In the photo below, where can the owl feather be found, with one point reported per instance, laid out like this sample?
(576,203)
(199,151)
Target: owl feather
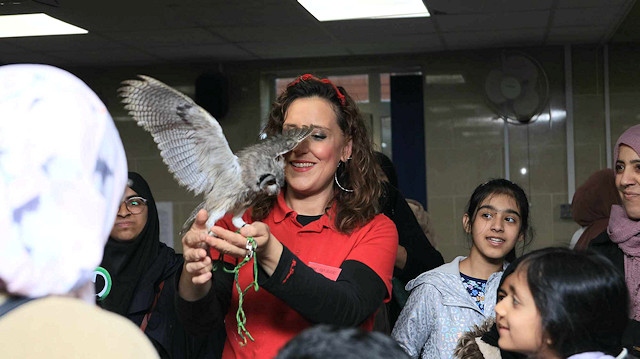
(196,152)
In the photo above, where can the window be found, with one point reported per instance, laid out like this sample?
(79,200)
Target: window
(356,85)
(385,90)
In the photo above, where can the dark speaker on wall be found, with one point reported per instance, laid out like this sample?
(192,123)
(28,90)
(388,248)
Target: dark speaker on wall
(212,93)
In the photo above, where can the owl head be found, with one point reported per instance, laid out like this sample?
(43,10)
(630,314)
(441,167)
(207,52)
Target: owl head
(263,163)
(272,180)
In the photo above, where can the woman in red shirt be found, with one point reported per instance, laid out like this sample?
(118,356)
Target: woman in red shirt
(324,253)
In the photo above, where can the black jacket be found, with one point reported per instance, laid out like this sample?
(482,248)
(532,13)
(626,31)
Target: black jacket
(603,245)
(164,328)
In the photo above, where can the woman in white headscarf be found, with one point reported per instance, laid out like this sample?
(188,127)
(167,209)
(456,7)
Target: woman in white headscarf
(62,174)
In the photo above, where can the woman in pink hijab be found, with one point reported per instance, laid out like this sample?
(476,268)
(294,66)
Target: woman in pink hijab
(621,242)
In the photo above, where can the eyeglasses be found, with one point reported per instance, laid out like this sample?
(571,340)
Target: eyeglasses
(135,205)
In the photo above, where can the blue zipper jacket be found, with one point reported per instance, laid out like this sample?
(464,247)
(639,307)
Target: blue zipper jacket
(439,310)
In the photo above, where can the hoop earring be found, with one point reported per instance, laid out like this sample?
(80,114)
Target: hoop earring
(335,177)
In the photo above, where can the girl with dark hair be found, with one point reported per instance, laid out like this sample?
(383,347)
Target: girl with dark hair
(318,252)
(560,303)
(139,277)
(447,301)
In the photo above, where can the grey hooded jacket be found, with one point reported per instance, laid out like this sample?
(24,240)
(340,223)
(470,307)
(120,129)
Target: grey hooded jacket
(439,310)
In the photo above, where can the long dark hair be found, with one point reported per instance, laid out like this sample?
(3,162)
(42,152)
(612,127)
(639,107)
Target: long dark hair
(582,299)
(355,208)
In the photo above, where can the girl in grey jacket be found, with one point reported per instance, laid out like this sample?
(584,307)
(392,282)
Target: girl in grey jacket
(448,300)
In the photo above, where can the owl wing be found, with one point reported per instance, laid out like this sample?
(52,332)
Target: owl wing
(190,140)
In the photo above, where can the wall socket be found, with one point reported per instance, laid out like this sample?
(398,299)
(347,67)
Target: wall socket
(565,211)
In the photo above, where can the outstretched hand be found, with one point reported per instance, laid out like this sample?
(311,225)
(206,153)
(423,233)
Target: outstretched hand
(197,263)
(195,281)
(235,244)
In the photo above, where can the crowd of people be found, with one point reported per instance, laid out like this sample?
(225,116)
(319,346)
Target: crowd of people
(335,265)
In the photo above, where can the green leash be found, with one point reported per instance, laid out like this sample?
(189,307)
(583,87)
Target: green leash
(241,318)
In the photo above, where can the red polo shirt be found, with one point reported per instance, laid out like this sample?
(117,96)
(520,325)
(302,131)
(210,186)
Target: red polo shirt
(270,321)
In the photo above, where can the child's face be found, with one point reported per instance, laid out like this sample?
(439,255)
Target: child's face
(496,227)
(517,317)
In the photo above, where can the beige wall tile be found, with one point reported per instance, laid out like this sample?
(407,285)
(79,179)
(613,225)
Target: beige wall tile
(464,141)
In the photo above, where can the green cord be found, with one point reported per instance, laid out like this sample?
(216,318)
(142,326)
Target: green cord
(241,318)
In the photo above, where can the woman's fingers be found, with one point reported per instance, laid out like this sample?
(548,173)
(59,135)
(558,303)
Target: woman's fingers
(200,221)
(258,230)
(199,271)
(195,250)
(229,242)
(195,254)
(195,238)
(197,241)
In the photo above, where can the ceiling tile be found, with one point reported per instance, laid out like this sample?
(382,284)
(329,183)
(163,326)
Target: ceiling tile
(151,31)
(285,50)
(515,21)
(599,16)
(492,39)
(167,37)
(295,34)
(204,52)
(563,4)
(574,35)
(485,6)
(67,42)
(370,30)
(423,44)
(113,57)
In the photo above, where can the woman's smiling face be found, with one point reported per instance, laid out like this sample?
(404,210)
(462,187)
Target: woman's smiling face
(310,167)
(627,170)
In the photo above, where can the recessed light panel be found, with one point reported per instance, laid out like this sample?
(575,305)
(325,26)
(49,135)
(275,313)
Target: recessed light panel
(331,10)
(35,25)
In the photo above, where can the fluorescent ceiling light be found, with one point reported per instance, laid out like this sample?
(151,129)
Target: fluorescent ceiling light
(446,79)
(330,10)
(35,25)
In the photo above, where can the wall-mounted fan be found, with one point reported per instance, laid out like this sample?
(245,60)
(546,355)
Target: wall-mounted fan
(517,88)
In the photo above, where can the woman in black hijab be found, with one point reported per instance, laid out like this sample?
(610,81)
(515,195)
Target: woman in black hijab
(139,272)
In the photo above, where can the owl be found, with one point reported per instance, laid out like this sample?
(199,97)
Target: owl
(194,148)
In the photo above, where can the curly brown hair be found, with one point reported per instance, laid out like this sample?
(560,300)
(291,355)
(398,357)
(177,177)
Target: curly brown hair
(356,208)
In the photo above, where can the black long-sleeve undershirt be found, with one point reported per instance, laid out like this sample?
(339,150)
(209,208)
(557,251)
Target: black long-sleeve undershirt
(348,301)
